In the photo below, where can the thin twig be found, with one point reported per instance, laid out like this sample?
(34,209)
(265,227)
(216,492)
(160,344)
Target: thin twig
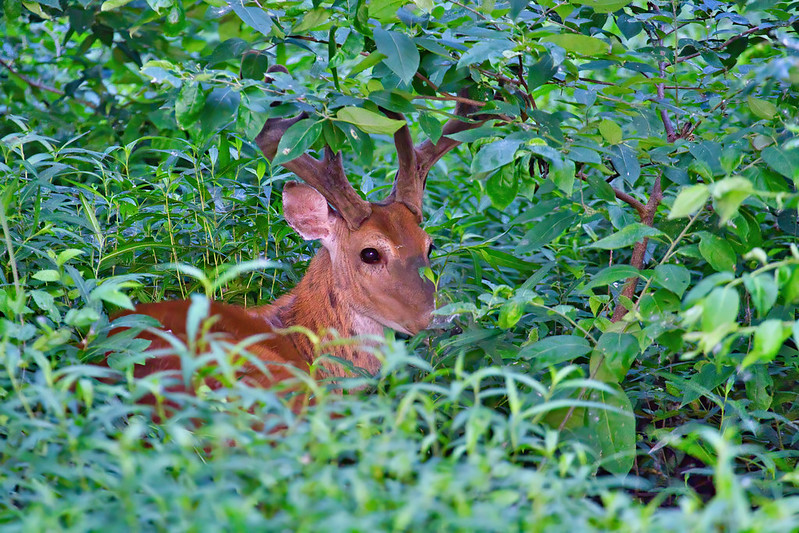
(639,250)
(725,44)
(450,98)
(42,87)
(623,196)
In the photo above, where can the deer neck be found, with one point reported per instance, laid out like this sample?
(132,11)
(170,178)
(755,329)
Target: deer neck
(318,304)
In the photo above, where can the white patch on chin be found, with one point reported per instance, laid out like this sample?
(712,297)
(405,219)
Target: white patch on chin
(364,325)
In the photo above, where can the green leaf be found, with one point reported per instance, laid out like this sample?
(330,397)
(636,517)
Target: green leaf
(674,278)
(402,57)
(297,139)
(784,161)
(768,339)
(510,313)
(502,186)
(68,255)
(313,19)
(563,176)
(791,293)
(757,387)
(47,275)
(385,10)
(602,6)
(253,67)
(762,108)
(540,73)
(431,126)
(255,17)
(612,430)
(717,252)
(545,231)
(763,290)
(494,155)
(110,5)
(369,121)
(611,274)
(109,291)
(578,43)
(729,194)
(555,349)
(703,383)
(484,50)
(689,201)
(720,309)
(610,131)
(625,161)
(615,352)
(628,235)
(189,104)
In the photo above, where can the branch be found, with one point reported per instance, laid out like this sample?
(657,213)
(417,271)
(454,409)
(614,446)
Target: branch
(639,250)
(725,44)
(42,87)
(639,207)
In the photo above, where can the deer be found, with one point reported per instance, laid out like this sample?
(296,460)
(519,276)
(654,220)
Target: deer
(365,276)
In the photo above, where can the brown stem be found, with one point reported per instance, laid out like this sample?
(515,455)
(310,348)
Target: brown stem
(450,98)
(725,44)
(671,136)
(42,87)
(639,207)
(639,250)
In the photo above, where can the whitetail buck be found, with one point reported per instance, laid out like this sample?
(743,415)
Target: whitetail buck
(365,276)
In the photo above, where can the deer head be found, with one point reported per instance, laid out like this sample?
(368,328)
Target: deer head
(376,249)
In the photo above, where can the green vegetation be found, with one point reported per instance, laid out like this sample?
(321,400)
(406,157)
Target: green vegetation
(617,246)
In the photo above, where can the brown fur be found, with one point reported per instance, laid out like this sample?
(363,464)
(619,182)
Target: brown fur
(338,292)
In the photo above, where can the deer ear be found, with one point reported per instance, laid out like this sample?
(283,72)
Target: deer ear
(306,210)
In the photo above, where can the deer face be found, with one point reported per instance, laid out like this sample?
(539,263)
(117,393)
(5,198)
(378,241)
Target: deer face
(376,265)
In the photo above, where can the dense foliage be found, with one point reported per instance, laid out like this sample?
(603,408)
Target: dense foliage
(616,247)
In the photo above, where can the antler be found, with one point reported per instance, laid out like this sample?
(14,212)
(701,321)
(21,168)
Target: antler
(416,161)
(326,175)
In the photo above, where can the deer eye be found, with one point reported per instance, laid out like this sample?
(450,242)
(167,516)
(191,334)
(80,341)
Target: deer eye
(370,256)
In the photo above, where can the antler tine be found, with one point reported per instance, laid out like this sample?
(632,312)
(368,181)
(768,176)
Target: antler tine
(416,162)
(430,153)
(326,176)
(408,188)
